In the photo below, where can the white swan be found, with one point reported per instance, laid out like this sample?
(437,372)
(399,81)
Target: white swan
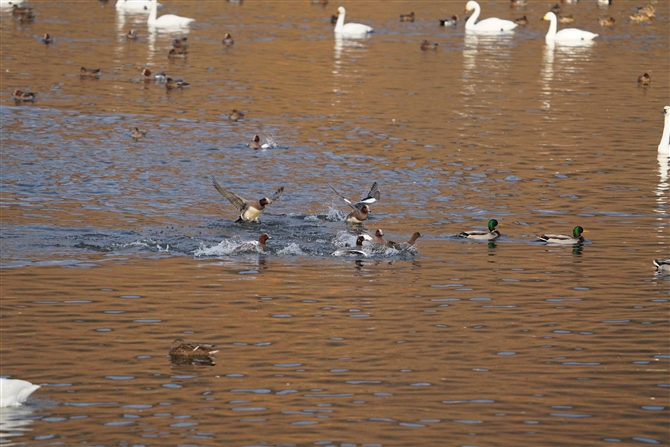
(167,20)
(567,34)
(664,145)
(492,24)
(134,5)
(14,392)
(357,29)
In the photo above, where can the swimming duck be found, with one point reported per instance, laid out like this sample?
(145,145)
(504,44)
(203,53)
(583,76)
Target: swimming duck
(522,21)
(361,210)
(641,17)
(662,265)
(451,21)
(132,35)
(235,115)
(664,145)
(333,18)
(566,19)
(556,8)
(227,40)
(180,348)
(47,39)
(566,34)
(253,245)
(404,245)
(27,17)
(482,235)
(425,46)
(564,239)
(379,237)
(93,73)
(607,22)
(256,143)
(346,251)
(407,17)
(249,211)
(180,42)
(351,29)
(167,20)
(171,84)
(175,53)
(20,10)
(518,2)
(491,24)
(648,10)
(21,96)
(136,134)
(158,78)
(644,79)
(14,391)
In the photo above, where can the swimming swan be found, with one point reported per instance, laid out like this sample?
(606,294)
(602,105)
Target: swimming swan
(167,20)
(491,24)
(664,146)
(350,28)
(14,392)
(567,34)
(134,5)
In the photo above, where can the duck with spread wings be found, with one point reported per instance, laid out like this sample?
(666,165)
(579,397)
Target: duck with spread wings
(249,211)
(361,210)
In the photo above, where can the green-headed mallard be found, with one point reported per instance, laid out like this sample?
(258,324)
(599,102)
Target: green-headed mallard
(483,235)
(564,239)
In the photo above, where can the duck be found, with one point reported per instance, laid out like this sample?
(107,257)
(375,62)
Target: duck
(21,96)
(347,251)
(175,53)
(132,35)
(566,19)
(607,22)
(664,145)
(556,8)
(235,115)
(21,10)
(180,348)
(14,392)
(256,143)
(521,21)
(483,235)
(136,134)
(167,20)
(228,40)
(171,84)
(89,73)
(648,10)
(27,17)
(47,39)
(662,265)
(253,245)
(566,34)
(379,237)
(451,21)
(249,211)
(491,24)
(518,2)
(180,42)
(425,46)
(333,18)
(404,245)
(361,210)
(351,29)
(644,79)
(407,17)
(641,17)
(159,78)
(564,239)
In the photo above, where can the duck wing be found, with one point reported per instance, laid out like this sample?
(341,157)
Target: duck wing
(237,201)
(277,194)
(345,199)
(372,196)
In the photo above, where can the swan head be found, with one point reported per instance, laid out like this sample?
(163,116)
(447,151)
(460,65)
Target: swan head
(549,16)
(666,110)
(341,10)
(469,6)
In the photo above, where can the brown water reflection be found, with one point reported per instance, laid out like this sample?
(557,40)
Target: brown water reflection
(513,343)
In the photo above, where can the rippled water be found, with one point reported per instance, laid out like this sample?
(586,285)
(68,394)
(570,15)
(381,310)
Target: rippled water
(113,248)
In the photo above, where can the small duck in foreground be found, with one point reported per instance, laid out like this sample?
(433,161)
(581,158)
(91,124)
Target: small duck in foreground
(47,39)
(253,245)
(249,211)
(451,21)
(483,235)
(522,21)
(662,265)
(256,143)
(132,35)
(228,40)
(21,96)
(14,391)
(235,115)
(426,46)
(136,134)
(346,251)
(180,42)
(607,22)
(564,239)
(404,245)
(644,79)
(180,348)
(92,73)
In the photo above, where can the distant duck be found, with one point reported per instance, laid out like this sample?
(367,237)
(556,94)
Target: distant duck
(556,8)
(227,40)
(567,34)
(426,46)
(566,19)
(483,235)
(28,17)
(644,79)
(333,19)
(641,17)
(180,42)
(518,2)
(171,84)
(167,20)
(407,17)
(648,10)
(662,265)
(158,78)
(491,24)
(522,21)
(350,29)
(235,115)
(14,392)
(607,22)
(132,35)
(347,251)
(451,21)
(47,39)
(254,246)
(175,53)
(21,10)
(92,73)
(664,145)
(21,96)
(180,348)
(564,239)
(404,245)
(136,134)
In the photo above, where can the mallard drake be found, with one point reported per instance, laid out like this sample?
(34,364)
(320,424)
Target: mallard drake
(521,21)
(21,96)
(171,84)
(47,39)
(407,17)
(451,21)
(427,46)
(662,265)
(482,235)
(361,210)
(180,348)
(228,40)
(346,251)
(607,22)
(14,391)
(564,239)
(644,79)
(404,245)
(92,73)
(136,134)
(132,35)
(235,115)
(249,211)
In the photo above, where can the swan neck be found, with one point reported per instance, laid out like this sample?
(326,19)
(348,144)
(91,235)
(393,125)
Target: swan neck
(665,139)
(340,22)
(553,22)
(152,11)
(470,22)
